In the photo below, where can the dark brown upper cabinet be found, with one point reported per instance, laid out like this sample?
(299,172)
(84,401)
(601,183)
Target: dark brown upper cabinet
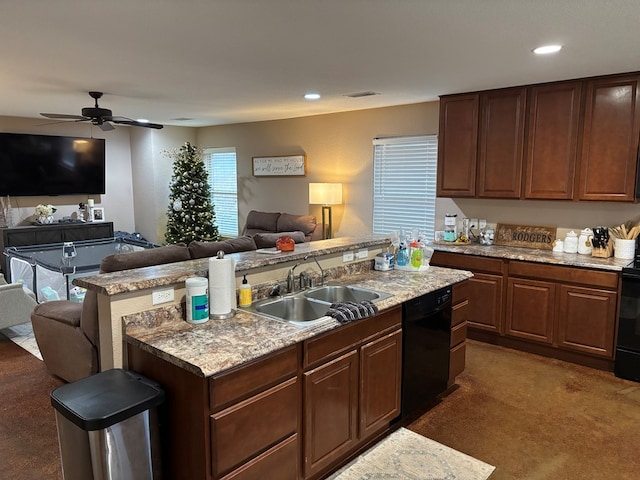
(573,140)
(501,134)
(458,146)
(610,139)
(552,140)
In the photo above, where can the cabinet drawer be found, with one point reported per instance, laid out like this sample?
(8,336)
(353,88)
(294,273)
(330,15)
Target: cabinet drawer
(588,277)
(253,377)
(337,341)
(458,334)
(459,313)
(457,360)
(468,262)
(251,427)
(460,292)
(279,462)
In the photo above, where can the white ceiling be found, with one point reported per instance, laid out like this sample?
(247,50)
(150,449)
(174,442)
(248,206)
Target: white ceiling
(229,61)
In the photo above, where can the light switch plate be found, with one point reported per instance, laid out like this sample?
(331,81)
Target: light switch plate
(347,256)
(482,223)
(363,253)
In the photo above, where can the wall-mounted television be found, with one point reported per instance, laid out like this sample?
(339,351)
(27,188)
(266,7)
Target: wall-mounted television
(51,165)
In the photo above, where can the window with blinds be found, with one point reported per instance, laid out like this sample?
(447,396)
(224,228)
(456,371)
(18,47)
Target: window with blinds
(223,182)
(404,184)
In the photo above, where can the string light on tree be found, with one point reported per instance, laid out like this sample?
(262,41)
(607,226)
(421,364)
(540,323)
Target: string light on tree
(191,215)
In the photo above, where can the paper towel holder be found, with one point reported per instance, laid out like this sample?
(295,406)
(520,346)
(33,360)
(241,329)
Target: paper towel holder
(226,315)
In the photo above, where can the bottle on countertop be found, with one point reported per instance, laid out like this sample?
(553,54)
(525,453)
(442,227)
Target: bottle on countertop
(244,292)
(403,255)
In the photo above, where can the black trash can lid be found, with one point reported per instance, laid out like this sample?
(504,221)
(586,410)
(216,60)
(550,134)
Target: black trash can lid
(104,399)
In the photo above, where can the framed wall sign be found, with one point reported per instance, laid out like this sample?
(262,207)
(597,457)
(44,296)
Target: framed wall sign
(287,166)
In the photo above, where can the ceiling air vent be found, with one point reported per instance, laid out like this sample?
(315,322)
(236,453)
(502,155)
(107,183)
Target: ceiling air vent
(361,94)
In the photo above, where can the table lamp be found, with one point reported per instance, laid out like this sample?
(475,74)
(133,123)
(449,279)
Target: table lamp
(325,194)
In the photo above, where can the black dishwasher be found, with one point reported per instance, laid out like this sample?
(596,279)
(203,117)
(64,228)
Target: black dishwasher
(426,326)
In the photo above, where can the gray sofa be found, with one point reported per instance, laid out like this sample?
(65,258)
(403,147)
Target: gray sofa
(266,227)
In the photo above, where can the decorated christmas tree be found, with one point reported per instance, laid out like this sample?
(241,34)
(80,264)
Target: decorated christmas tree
(191,214)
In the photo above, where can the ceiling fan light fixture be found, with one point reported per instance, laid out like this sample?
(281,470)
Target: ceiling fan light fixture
(547,49)
(312,96)
(142,120)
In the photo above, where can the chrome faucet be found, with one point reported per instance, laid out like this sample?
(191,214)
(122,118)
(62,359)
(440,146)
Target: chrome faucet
(291,279)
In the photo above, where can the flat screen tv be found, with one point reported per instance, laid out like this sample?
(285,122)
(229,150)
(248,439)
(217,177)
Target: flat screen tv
(50,165)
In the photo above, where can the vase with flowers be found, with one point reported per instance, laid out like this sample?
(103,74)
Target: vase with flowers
(44,214)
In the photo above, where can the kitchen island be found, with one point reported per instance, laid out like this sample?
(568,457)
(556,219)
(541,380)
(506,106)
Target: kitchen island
(253,397)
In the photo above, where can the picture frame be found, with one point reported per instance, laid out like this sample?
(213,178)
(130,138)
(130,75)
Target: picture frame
(97,214)
(283,166)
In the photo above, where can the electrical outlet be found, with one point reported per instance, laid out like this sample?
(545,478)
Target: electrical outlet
(347,256)
(473,223)
(162,295)
(362,253)
(482,223)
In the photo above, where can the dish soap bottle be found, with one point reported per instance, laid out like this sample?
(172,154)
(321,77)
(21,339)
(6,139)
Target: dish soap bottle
(245,293)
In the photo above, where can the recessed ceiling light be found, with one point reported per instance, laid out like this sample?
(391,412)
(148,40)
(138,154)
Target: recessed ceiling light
(312,96)
(546,49)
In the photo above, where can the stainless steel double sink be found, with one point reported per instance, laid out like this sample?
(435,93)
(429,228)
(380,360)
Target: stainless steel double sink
(312,304)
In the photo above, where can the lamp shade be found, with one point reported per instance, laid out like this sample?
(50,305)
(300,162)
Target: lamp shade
(325,193)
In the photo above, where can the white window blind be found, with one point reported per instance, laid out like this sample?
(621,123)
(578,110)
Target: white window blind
(223,181)
(404,184)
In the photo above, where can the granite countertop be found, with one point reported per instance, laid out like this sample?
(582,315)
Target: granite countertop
(212,347)
(535,255)
(150,277)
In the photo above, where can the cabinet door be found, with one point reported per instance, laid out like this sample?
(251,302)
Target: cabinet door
(552,140)
(380,379)
(501,143)
(458,146)
(485,302)
(610,139)
(586,320)
(330,412)
(530,309)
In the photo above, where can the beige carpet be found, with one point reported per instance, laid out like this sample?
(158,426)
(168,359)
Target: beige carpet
(408,456)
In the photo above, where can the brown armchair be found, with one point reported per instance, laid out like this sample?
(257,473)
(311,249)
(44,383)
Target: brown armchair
(67,332)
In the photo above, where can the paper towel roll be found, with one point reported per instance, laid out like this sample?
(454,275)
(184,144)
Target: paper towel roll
(222,287)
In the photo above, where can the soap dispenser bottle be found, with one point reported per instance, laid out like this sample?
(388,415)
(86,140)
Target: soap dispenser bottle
(245,293)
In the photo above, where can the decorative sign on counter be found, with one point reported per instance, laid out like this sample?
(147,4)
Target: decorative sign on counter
(525,236)
(290,166)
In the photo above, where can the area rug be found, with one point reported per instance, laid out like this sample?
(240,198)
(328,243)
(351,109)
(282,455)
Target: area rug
(407,455)
(22,335)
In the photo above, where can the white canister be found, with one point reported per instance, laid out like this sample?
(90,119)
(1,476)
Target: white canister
(584,242)
(197,299)
(624,248)
(571,242)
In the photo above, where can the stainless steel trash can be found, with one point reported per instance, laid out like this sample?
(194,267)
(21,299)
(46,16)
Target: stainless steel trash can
(106,429)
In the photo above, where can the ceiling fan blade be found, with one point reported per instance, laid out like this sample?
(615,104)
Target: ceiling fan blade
(62,115)
(135,123)
(106,126)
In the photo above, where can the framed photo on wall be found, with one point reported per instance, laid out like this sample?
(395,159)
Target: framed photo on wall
(285,166)
(97,214)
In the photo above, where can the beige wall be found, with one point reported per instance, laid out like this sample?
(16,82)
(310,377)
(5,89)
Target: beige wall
(152,171)
(338,148)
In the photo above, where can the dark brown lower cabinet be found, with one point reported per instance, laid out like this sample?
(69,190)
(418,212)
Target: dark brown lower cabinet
(558,311)
(352,388)
(296,413)
(459,323)
(530,309)
(587,320)
(331,412)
